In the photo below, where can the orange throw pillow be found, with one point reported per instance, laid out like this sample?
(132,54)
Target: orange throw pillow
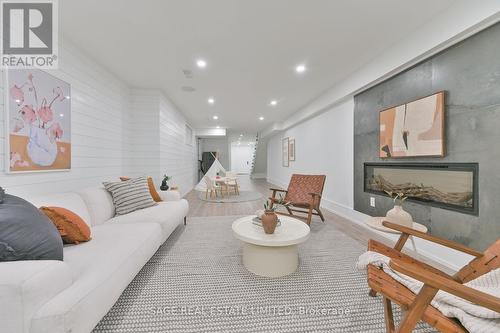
(72,228)
(154,194)
(152,189)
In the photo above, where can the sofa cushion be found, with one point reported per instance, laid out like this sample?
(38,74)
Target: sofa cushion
(101,269)
(71,227)
(99,203)
(26,233)
(170,195)
(70,200)
(25,286)
(168,214)
(130,195)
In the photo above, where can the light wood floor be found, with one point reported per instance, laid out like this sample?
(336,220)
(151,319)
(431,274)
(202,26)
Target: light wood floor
(198,207)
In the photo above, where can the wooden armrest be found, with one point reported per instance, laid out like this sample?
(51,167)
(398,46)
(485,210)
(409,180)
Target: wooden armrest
(448,285)
(278,190)
(434,239)
(315,194)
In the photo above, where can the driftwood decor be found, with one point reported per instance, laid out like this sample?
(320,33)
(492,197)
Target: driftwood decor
(450,186)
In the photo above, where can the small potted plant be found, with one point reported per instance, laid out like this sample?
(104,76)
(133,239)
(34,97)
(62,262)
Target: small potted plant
(164,185)
(269,218)
(397,214)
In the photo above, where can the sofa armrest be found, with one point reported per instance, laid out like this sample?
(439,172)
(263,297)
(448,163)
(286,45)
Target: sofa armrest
(25,286)
(172,195)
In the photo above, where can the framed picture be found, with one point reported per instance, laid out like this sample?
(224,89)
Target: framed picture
(38,121)
(285,152)
(291,149)
(413,129)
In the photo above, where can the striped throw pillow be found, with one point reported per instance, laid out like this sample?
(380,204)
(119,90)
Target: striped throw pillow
(130,195)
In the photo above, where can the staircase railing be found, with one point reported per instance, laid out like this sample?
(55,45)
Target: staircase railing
(255,146)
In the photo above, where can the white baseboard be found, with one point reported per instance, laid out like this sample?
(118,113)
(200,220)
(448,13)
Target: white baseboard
(451,259)
(258,176)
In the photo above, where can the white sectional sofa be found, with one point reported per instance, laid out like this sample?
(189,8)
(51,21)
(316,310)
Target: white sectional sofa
(74,294)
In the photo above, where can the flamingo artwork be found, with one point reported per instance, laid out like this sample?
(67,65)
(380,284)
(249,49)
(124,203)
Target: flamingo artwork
(39,140)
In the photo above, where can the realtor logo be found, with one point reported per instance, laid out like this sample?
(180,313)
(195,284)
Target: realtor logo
(29,34)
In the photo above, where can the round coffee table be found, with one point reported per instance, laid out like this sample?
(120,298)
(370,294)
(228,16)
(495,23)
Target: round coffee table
(271,255)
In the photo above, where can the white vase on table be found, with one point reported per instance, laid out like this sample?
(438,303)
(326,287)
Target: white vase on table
(398,215)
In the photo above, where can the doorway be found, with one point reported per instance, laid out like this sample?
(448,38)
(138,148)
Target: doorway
(241,158)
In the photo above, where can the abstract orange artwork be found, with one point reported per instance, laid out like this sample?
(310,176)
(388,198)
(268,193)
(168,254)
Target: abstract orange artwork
(413,129)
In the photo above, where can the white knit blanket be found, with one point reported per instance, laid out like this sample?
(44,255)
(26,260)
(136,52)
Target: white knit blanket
(476,319)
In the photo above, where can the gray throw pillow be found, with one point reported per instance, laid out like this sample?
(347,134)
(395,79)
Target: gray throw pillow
(26,233)
(130,195)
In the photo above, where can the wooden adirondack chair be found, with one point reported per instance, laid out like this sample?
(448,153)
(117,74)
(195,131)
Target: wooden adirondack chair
(304,191)
(417,307)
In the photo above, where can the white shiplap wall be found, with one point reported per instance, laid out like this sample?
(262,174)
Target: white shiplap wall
(177,158)
(144,133)
(100,114)
(116,131)
(158,140)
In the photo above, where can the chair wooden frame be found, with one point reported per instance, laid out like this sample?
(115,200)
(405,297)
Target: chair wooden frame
(232,183)
(212,188)
(418,307)
(311,208)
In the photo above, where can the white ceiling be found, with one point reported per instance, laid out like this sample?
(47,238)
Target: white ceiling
(251,47)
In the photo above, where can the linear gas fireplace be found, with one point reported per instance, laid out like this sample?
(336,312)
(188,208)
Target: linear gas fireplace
(451,186)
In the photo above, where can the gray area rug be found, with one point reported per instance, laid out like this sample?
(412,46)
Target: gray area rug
(242,197)
(196,283)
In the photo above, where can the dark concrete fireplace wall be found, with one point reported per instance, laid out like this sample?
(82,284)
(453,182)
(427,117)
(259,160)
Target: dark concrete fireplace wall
(469,72)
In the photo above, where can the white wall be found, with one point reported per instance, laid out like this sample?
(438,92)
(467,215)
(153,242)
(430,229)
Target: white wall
(323,145)
(178,159)
(241,157)
(144,133)
(100,107)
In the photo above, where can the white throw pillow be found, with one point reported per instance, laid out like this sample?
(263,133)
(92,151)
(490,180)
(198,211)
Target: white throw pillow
(130,195)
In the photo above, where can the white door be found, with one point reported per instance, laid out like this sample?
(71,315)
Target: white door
(241,158)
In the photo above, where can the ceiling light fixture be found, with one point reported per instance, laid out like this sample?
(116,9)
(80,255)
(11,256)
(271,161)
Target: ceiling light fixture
(261,118)
(217,127)
(241,135)
(300,68)
(211,100)
(273,102)
(201,63)
(215,117)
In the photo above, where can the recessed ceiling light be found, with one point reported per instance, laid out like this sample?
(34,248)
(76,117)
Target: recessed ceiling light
(300,68)
(201,63)
(211,100)
(241,135)
(261,118)
(273,102)
(215,117)
(217,127)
